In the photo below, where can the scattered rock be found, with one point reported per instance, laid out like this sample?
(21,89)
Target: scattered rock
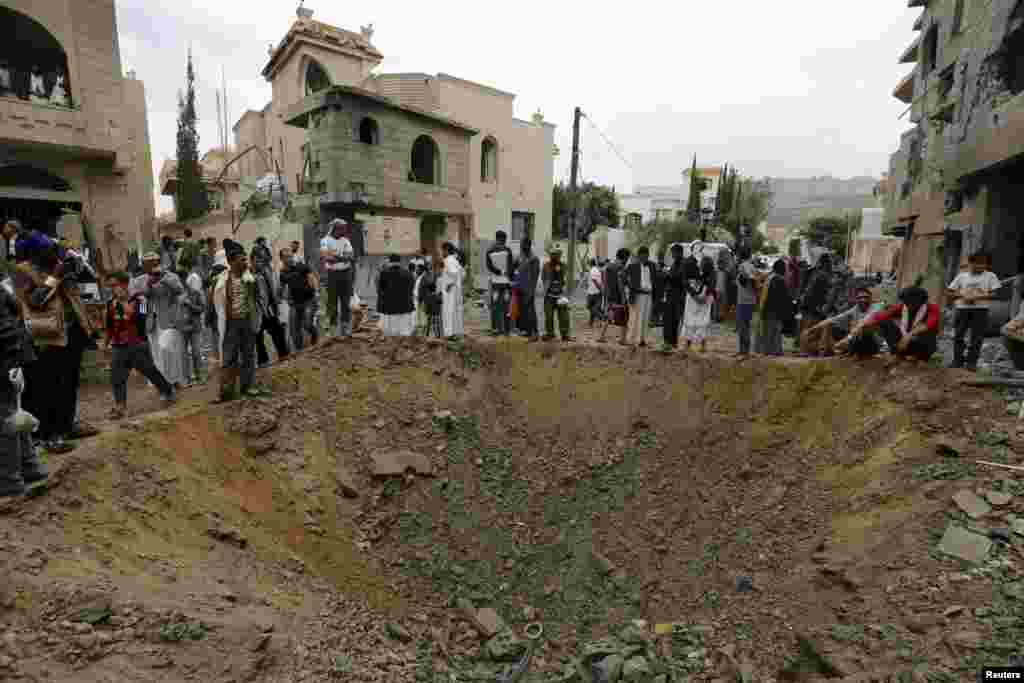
(921,625)
(261,446)
(397,463)
(260,643)
(744,584)
(253,425)
(964,544)
(227,535)
(955,610)
(488,622)
(972,504)
(603,563)
(998,498)
(950,448)
(965,641)
(398,633)
(609,668)
(636,670)
(1000,534)
(505,647)
(1017,526)
(346,482)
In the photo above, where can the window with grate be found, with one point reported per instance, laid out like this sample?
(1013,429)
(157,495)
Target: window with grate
(522,226)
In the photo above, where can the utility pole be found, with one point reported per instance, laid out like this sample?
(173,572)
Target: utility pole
(572,197)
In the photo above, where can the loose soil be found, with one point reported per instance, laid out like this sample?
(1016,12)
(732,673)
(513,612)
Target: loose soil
(579,486)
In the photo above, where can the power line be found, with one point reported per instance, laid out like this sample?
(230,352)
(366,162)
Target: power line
(609,142)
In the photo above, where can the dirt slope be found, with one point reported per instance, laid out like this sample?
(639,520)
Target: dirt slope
(582,488)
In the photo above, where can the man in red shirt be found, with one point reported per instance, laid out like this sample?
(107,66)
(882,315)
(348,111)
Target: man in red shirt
(910,328)
(127,335)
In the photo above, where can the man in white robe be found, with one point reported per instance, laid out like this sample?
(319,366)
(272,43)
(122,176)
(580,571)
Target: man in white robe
(452,319)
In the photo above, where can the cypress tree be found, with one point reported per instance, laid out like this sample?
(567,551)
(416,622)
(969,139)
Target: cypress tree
(191,201)
(693,203)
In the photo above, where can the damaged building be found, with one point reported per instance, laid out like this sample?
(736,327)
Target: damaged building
(413,159)
(957,175)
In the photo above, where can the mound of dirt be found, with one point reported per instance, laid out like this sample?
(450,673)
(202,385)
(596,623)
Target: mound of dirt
(401,511)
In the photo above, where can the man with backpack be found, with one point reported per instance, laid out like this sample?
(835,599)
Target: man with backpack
(302,285)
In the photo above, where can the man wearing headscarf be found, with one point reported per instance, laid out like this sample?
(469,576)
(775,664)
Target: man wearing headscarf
(338,256)
(910,328)
(162,290)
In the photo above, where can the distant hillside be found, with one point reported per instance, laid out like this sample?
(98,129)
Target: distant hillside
(794,198)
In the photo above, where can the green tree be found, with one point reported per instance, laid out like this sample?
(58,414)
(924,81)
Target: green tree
(770,249)
(191,199)
(794,248)
(697,185)
(661,234)
(831,229)
(598,206)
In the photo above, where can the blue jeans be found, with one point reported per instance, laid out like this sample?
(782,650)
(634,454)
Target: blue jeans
(744,317)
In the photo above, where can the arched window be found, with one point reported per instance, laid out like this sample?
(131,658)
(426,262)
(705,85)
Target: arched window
(369,131)
(34,65)
(23,175)
(489,160)
(316,78)
(426,161)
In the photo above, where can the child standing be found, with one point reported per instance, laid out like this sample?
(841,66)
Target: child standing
(972,291)
(126,334)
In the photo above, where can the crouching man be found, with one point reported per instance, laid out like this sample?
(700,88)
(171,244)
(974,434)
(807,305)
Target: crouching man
(910,328)
(863,344)
(19,461)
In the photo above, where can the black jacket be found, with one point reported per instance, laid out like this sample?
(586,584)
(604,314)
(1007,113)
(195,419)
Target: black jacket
(614,286)
(633,279)
(529,270)
(394,293)
(778,302)
(294,277)
(15,342)
(815,299)
(674,281)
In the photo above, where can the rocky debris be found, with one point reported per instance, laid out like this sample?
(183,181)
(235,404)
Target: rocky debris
(398,632)
(1017,525)
(972,504)
(346,482)
(998,498)
(949,447)
(261,446)
(603,563)
(227,534)
(487,621)
(397,463)
(505,647)
(253,424)
(966,545)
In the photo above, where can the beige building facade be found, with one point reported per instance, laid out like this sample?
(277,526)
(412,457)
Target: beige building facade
(74,138)
(358,155)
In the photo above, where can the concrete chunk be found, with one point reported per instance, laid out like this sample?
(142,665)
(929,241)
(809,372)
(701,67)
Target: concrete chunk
(396,463)
(966,545)
(972,504)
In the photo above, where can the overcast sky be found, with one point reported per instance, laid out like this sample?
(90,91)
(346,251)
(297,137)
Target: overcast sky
(792,88)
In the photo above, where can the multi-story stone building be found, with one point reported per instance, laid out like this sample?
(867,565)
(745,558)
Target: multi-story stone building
(414,158)
(73,130)
(955,180)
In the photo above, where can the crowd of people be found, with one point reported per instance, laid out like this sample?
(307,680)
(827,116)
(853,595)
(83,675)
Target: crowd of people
(189,297)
